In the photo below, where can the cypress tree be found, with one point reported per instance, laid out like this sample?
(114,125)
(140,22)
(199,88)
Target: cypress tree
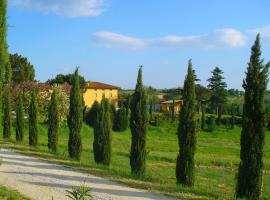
(138,124)
(102,134)
(33,117)
(6,103)
(187,132)
(75,119)
(249,180)
(203,116)
(173,110)
(19,119)
(4,57)
(53,118)
(91,114)
(121,119)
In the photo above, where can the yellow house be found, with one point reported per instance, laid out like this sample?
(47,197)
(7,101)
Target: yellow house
(95,91)
(168,105)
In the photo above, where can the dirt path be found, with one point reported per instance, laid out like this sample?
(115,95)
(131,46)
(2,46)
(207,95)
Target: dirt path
(41,180)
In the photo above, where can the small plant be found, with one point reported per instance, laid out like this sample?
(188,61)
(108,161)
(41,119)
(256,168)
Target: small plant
(80,193)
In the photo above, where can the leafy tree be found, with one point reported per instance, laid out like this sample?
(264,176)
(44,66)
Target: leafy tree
(19,119)
(102,134)
(121,119)
(75,118)
(249,180)
(138,124)
(7,102)
(218,89)
(187,132)
(68,78)
(53,121)
(33,118)
(22,69)
(3,49)
(91,114)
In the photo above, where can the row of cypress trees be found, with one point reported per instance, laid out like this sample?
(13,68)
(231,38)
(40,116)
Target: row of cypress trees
(250,171)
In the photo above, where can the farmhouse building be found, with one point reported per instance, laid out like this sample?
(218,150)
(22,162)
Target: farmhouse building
(168,105)
(95,91)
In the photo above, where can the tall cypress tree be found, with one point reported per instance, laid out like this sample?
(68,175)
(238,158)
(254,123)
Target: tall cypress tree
(102,134)
(19,119)
(138,124)
(4,58)
(203,116)
(33,117)
(249,181)
(53,118)
(7,102)
(75,119)
(187,132)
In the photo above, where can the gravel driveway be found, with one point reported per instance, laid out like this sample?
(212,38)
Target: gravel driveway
(41,180)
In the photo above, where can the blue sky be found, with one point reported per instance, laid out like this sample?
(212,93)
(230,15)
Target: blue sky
(109,39)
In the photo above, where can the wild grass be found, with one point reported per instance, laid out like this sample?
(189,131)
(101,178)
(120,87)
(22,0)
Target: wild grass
(217,158)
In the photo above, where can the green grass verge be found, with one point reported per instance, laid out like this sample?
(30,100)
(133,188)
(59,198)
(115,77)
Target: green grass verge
(217,157)
(7,194)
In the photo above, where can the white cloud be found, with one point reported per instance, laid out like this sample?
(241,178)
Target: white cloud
(228,37)
(69,8)
(110,39)
(222,38)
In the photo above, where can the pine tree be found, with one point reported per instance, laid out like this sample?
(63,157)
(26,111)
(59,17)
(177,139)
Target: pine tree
(138,124)
(249,180)
(53,119)
(102,134)
(33,117)
(4,57)
(187,132)
(19,119)
(75,119)
(218,89)
(121,119)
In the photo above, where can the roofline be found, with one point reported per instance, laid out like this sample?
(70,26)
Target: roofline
(106,85)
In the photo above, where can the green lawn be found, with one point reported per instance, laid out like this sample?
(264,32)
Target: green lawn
(217,157)
(7,194)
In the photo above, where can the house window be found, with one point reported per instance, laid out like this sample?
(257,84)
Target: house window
(111,94)
(96,95)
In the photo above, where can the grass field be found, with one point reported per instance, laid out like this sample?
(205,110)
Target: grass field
(217,157)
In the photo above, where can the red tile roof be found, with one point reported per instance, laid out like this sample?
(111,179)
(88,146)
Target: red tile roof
(98,85)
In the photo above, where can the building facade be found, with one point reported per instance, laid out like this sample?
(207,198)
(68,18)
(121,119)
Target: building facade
(168,105)
(95,91)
